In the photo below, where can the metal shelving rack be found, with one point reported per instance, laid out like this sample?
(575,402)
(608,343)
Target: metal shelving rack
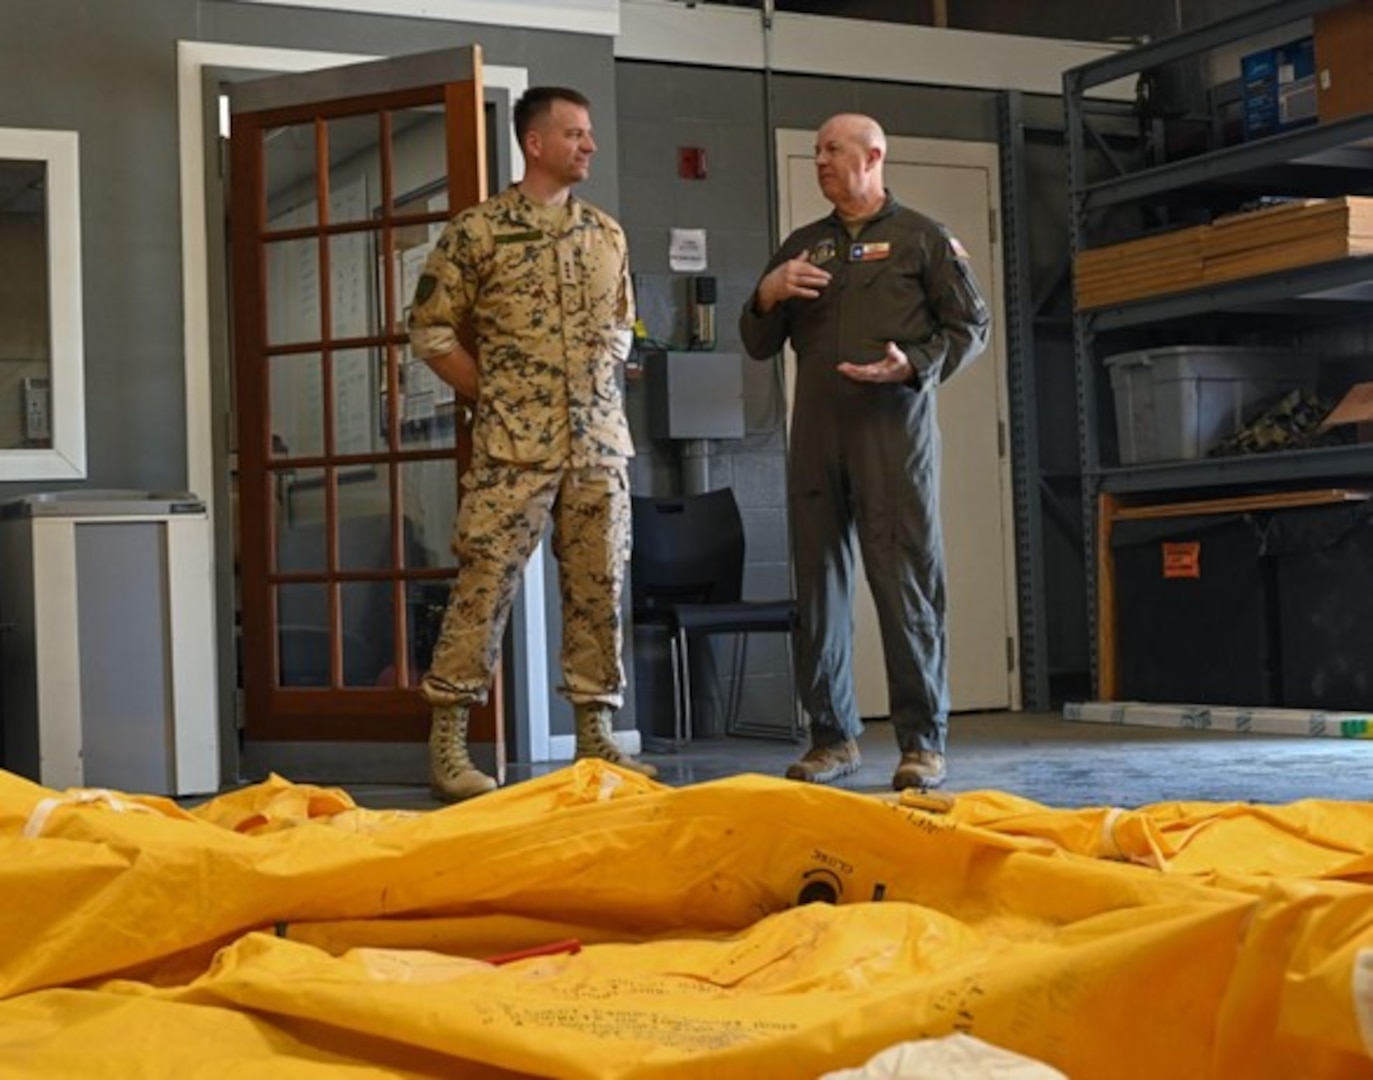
(1025,407)
(1333,158)
(1046,488)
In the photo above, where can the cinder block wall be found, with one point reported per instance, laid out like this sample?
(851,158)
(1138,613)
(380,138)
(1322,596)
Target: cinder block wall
(661,108)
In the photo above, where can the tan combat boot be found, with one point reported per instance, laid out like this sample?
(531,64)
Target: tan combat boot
(594,739)
(452,776)
(825,764)
(920,769)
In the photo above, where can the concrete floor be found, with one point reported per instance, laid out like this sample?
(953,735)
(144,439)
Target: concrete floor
(1040,756)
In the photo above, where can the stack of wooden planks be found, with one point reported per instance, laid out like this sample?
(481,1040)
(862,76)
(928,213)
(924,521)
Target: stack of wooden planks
(1168,262)
(1237,246)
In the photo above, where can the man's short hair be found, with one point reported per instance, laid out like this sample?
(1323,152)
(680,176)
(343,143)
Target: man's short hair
(538,101)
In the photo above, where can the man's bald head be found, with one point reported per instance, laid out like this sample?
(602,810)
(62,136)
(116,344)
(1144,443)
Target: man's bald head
(857,128)
(849,151)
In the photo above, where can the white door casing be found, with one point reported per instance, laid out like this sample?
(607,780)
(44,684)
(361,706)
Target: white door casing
(957,184)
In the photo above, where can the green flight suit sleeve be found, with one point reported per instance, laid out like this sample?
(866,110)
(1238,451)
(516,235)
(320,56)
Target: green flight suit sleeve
(961,316)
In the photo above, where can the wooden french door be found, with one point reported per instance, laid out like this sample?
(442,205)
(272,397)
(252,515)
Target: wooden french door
(348,450)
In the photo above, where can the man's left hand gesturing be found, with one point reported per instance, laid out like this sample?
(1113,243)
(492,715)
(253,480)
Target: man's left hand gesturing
(892,367)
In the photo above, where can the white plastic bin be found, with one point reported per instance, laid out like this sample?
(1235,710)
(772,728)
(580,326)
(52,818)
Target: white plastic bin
(1178,403)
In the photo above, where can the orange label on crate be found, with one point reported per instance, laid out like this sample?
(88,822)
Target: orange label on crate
(1182,559)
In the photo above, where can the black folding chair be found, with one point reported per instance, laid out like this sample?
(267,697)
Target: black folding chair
(687,575)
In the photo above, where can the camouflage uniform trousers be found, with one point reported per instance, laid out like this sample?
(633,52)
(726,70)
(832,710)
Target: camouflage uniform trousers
(502,517)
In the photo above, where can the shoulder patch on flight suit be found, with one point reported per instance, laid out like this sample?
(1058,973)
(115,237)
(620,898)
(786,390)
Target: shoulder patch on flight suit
(424,288)
(519,237)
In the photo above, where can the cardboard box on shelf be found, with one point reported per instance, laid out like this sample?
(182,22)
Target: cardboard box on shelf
(1279,88)
(1356,408)
(1344,60)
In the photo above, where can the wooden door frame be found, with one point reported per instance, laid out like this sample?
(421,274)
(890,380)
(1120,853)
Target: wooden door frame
(207,465)
(276,709)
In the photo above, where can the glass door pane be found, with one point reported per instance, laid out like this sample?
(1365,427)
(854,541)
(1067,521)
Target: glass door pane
(25,345)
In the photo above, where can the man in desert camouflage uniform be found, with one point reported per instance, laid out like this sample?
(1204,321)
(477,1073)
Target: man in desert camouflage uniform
(544,278)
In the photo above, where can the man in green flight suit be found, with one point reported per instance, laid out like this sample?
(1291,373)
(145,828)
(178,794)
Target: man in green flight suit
(881,306)
(544,278)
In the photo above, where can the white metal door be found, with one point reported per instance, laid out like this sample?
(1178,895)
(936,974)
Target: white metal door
(955,183)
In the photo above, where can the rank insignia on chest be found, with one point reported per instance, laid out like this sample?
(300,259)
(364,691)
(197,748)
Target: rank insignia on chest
(869,252)
(822,253)
(567,264)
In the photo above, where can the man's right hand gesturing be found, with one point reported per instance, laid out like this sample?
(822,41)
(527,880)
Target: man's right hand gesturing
(795,277)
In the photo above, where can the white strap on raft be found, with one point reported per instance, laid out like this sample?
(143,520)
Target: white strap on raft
(38,818)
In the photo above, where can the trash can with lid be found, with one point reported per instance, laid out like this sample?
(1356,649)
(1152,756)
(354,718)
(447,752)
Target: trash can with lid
(108,654)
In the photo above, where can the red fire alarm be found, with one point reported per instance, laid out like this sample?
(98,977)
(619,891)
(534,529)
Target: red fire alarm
(691,162)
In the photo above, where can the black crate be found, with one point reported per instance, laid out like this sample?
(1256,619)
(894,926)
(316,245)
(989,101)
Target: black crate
(1324,568)
(1195,611)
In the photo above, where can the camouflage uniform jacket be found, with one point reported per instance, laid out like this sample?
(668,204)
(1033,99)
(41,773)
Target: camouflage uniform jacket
(548,292)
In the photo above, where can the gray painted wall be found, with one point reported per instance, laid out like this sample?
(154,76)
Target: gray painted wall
(115,84)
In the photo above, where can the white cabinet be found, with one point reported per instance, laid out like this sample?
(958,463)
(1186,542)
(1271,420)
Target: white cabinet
(108,642)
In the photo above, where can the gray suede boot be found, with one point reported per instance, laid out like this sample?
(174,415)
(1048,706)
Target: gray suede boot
(594,739)
(452,776)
